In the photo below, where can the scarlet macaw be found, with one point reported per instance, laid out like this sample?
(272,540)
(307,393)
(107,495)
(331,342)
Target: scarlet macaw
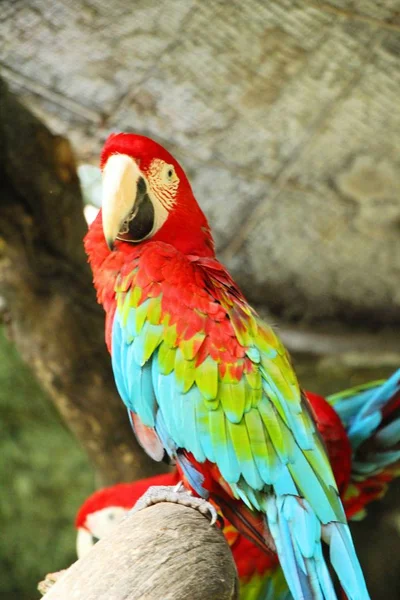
(361,478)
(205,380)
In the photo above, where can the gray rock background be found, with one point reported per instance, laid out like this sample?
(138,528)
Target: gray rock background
(285,113)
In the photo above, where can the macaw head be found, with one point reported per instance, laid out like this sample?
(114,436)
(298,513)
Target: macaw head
(147,196)
(101,512)
(105,508)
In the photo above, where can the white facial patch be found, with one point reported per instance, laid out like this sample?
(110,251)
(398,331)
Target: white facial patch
(103,521)
(98,525)
(164,182)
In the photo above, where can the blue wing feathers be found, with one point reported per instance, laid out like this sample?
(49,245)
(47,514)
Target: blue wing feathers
(240,439)
(192,417)
(195,478)
(203,429)
(145,398)
(284,483)
(362,411)
(191,434)
(118,363)
(389,435)
(222,445)
(164,436)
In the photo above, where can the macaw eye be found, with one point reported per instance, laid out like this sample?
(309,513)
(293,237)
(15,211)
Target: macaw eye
(170,172)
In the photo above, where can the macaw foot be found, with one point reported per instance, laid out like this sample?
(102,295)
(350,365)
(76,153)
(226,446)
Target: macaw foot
(178,495)
(47,583)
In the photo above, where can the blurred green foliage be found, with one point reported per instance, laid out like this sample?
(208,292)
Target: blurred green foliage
(45,477)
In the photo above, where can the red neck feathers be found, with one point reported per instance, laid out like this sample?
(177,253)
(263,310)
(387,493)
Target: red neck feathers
(186,228)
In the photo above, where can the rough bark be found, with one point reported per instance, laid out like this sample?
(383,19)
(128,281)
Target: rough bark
(166,551)
(47,295)
(285,114)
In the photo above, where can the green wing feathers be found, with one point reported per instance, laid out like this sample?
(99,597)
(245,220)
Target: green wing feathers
(225,387)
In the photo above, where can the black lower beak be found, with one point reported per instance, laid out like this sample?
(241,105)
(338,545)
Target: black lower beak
(140,222)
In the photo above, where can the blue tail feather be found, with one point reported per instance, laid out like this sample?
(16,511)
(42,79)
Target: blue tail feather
(389,436)
(361,412)
(371,416)
(297,535)
(344,560)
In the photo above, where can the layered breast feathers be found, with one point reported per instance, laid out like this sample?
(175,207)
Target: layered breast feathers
(195,363)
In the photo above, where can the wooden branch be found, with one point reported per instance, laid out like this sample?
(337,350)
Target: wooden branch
(166,551)
(47,293)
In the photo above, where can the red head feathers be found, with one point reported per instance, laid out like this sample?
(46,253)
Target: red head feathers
(147,197)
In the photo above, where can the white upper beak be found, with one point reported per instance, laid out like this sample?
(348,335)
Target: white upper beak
(120,180)
(84,542)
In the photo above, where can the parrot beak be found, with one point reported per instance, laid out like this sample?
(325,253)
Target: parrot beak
(121,177)
(84,542)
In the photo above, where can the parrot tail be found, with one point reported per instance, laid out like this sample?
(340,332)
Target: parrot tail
(297,535)
(366,408)
(371,414)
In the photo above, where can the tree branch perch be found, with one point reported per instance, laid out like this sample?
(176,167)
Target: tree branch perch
(164,552)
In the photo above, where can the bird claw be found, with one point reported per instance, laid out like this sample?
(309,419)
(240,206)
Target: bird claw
(50,579)
(177,494)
